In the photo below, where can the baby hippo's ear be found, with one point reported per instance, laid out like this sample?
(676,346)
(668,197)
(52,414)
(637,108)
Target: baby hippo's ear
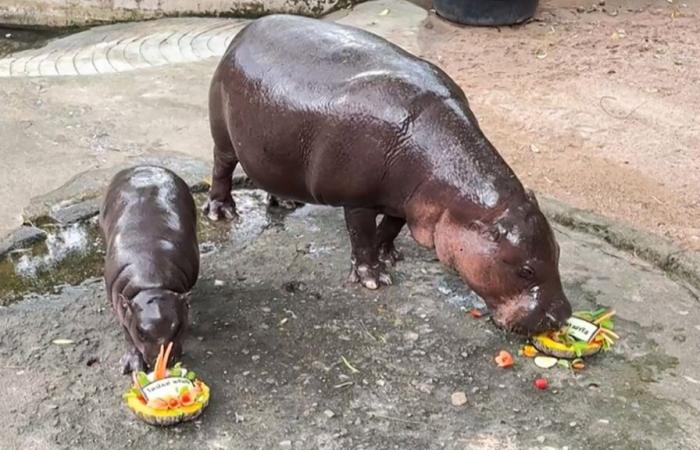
(488,231)
(531,196)
(186,297)
(124,303)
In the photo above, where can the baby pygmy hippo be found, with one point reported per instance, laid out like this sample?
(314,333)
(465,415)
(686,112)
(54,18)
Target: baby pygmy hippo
(149,224)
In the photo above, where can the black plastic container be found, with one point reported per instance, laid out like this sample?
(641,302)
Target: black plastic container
(486,12)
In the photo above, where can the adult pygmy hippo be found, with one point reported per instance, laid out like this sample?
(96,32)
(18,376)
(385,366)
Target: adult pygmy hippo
(323,113)
(149,222)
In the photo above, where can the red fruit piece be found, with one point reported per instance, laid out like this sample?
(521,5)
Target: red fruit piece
(475,313)
(541,384)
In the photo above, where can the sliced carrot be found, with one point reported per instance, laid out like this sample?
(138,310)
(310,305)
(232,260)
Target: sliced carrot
(158,403)
(504,359)
(186,399)
(475,313)
(173,403)
(165,358)
(159,362)
(607,315)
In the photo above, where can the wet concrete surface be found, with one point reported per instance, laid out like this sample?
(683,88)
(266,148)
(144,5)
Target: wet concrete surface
(269,337)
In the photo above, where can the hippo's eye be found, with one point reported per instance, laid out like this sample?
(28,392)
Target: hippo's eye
(526,272)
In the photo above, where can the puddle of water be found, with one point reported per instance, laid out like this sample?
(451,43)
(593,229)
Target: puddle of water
(69,255)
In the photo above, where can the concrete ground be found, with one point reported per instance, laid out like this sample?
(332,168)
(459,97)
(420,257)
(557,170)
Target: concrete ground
(273,317)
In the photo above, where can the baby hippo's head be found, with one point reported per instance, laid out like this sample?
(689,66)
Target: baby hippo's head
(155,317)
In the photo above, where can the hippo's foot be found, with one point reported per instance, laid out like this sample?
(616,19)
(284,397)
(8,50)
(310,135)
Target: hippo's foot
(282,203)
(216,209)
(389,255)
(132,361)
(368,276)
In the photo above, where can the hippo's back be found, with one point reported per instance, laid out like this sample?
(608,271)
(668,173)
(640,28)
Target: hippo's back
(314,63)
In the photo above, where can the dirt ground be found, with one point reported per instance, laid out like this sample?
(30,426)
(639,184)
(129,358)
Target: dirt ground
(595,105)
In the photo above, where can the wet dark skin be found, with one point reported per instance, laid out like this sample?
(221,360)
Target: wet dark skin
(322,113)
(149,222)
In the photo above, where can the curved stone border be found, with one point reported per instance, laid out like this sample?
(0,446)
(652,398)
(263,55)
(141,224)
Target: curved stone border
(657,250)
(124,47)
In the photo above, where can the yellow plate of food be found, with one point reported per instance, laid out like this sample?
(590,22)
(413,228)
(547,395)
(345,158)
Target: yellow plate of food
(167,396)
(584,334)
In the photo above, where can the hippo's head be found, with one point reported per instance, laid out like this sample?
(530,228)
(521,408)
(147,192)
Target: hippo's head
(153,318)
(512,262)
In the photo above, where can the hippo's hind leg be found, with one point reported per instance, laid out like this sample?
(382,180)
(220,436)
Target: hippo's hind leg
(366,267)
(221,204)
(388,229)
(276,202)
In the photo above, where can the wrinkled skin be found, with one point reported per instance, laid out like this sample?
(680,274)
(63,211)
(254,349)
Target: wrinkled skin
(148,219)
(322,113)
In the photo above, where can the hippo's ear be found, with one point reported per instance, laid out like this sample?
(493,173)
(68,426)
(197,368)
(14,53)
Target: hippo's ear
(124,302)
(186,297)
(488,231)
(531,196)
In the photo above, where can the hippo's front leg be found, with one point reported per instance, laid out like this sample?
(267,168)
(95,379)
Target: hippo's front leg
(366,267)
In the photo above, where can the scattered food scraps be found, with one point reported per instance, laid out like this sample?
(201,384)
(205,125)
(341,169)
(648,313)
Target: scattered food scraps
(475,313)
(584,334)
(504,359)
(63,341)
(545,362)
(578,364)
(541,384)
(528,351)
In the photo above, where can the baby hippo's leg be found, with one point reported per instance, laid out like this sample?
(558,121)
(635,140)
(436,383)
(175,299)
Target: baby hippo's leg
(220,204)
(366,267)
(388,229)
(132,361)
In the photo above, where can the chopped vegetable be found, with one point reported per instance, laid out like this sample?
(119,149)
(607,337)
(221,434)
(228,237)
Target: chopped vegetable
(528,351)
(475,313)
(504,359)
(578,364)
(545,362)
(541,384)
